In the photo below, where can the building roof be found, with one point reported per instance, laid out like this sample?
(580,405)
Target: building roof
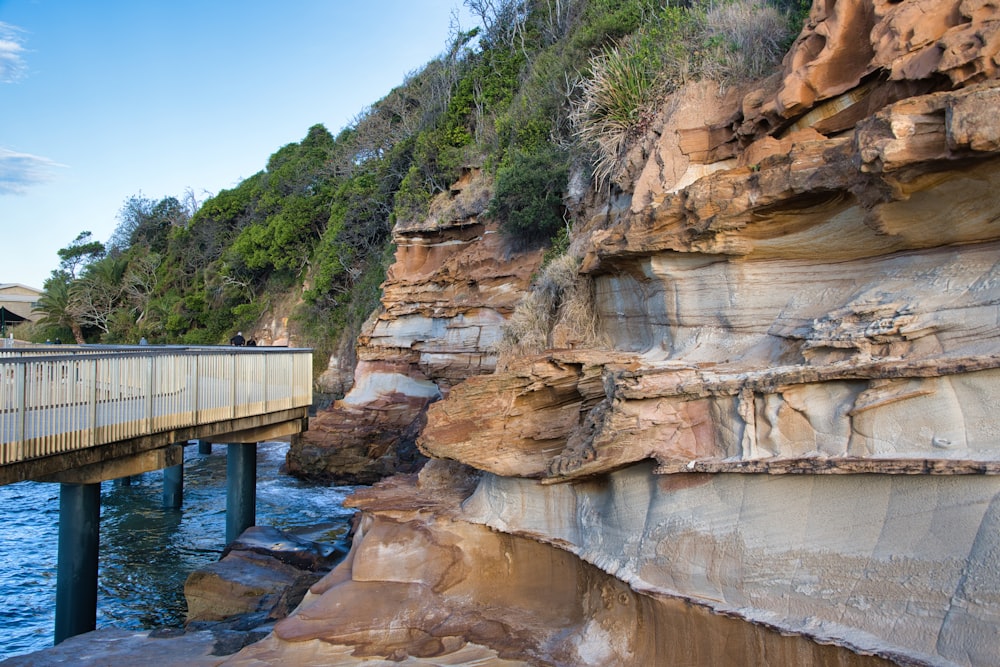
(19,300)
(7,289)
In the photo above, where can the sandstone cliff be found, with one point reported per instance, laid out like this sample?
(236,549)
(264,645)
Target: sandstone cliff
(445,300)
(787,451)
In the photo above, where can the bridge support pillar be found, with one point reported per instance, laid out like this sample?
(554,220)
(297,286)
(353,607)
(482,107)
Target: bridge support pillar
(204,447)
(173,486)
(76,573)
(241,488)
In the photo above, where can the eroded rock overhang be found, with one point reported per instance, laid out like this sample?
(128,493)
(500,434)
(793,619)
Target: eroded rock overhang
(826,328)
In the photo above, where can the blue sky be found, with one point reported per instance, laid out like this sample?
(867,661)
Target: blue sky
(103,100)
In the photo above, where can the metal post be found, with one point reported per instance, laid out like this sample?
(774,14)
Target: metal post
(76,574)
(204,447)
(241,488)
(173,486)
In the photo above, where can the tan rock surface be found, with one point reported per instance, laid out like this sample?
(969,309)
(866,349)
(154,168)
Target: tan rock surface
(436,589)
(905,565)
(240,583)
(446,297)
(264,570)
(933,44)
(114,646)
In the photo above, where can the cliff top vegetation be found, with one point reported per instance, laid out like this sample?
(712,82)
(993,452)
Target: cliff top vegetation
(542,92)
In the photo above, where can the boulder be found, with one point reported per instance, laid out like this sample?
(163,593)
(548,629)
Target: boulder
(264,573)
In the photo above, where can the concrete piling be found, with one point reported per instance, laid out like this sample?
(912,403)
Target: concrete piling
(241,488)
(76,579)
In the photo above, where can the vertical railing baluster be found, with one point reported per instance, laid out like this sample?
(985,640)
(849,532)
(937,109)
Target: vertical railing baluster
(92,401)
(232,400)
(45,400)
(21,396)
(149,394)
(197,385)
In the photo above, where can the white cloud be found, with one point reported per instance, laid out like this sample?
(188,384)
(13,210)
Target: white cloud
(12,65)
(20,171)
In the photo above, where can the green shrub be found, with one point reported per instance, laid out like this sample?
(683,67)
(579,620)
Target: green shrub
(528,196)
(246,314)
(607,21)
(798,13)
(559,246)
(325,320)
(413,199)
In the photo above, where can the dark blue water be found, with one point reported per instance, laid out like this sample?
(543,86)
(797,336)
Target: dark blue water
(146,551)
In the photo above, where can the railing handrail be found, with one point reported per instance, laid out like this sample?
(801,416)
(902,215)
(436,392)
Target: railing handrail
(64,350)
(53,402)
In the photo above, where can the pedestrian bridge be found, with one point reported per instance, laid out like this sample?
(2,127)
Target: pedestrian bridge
(89,410)
(81,415)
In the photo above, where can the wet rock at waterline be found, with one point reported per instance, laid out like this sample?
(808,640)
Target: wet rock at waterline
(264,570)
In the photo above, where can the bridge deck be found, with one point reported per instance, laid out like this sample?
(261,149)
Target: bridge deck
(73,406)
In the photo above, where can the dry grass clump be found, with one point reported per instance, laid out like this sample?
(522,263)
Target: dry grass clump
(747,39)
(727,41)
(466,198)
(557,312)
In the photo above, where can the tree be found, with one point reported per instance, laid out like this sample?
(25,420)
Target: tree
(293,208)
(98,293)
(58,305)
(139,282)
(78,254)
(144,221)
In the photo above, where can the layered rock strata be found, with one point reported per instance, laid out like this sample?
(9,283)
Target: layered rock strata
(445,300)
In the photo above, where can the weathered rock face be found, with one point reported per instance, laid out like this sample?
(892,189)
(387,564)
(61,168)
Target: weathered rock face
(445,300)
(434,588)
(899,566)
(794,423)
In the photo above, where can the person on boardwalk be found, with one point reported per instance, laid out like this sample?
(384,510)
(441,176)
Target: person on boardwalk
(237,340)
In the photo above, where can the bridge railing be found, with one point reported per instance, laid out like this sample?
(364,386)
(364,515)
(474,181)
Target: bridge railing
(56,400)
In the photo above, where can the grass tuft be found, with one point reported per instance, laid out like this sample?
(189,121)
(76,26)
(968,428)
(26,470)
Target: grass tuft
(727,41)
(558,311)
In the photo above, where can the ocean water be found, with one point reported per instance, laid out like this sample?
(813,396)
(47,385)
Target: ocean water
(146,551)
